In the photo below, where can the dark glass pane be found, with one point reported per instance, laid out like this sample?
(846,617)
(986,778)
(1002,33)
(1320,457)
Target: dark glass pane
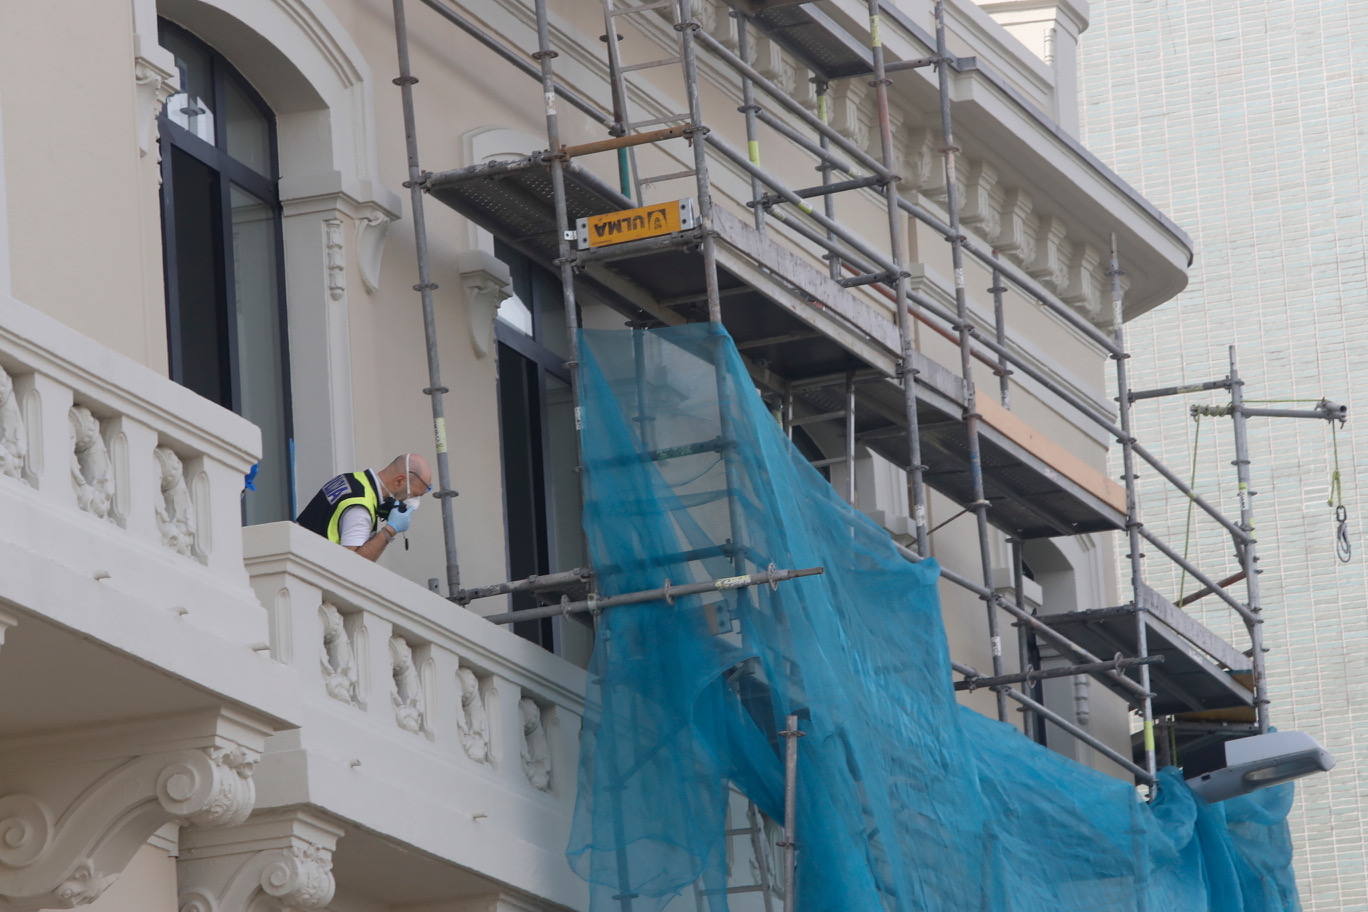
(247,131)
(201,334)
(261,363)
(193,106)
(524,490)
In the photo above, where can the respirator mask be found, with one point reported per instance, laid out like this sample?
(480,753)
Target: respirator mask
(391,503)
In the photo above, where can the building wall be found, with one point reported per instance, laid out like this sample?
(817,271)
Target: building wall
(1246,121)
(81,192)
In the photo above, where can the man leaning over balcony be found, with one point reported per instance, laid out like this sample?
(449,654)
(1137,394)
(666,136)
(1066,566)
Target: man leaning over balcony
(364,511)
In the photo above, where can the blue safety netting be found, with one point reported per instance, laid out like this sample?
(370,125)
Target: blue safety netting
(906,800)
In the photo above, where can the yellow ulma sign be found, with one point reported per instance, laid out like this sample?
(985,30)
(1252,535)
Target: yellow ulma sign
(655,220)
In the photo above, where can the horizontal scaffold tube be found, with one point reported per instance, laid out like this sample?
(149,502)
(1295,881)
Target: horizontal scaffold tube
(1085,736)
(517,58)
(1030,620)
(527,584)
(1092,412)
(667,593)
(864,158)
(1082,735)
(977,681)
(1216,589)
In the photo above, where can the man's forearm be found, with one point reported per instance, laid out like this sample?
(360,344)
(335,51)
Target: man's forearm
(376,544)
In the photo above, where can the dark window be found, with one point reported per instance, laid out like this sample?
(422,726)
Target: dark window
(537,426)
(221,233)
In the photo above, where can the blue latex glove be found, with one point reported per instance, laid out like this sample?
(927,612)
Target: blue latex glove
(399,518)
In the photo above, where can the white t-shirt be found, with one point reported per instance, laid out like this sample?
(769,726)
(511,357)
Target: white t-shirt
(355,525)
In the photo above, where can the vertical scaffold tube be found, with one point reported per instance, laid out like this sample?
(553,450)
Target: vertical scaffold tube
(791,735)
(1028,720)
(687,26)
(1248,553)
(1003,372)
(850,438)
(425,287)
(750,109)
(697,132)
(963,329)
(897,239)
(544,55)
(825,167)
(1132,505)
(565,258)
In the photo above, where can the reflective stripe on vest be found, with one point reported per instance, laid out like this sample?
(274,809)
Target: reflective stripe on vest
(369,500)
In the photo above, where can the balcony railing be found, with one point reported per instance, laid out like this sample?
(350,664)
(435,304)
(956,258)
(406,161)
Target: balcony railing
(408,694)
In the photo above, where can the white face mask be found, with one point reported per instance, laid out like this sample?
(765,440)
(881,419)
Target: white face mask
(413,503)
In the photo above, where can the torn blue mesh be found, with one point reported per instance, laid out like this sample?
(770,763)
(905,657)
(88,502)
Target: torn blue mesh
(906,800)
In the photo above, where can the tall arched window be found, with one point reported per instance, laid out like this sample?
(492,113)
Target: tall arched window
(221,233)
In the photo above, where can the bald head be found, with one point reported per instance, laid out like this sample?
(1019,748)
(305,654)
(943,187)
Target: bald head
(407,475)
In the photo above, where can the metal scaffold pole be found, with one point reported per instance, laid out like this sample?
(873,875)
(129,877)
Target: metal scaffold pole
(425,287)
(1248,551)
(750,109)
(1136,556)
(971,417)
(791,734)
(897,239)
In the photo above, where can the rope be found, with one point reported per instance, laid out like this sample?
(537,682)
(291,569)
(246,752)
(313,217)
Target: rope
(1192,486)
(1343,548)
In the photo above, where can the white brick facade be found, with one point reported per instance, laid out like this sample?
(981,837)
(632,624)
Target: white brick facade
(1246,121)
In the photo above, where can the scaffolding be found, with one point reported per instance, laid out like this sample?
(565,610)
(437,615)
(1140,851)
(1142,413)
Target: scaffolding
(825,353)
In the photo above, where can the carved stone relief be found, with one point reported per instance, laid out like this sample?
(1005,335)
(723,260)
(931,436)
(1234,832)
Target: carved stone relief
(13,432)
(279,862)
(341,679)
(175,511)
(92,472)
(410,706)
(536,750)
(474,719)
(336,256)
(65,849)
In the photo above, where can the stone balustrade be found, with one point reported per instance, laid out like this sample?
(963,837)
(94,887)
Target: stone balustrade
(116,472)
(426,722)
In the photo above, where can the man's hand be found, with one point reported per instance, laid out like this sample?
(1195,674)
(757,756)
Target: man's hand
(399,518)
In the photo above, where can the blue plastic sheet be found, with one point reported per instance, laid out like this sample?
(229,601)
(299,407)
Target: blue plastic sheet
(906,800)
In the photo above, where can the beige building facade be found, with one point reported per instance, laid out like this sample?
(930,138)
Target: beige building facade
(207,264)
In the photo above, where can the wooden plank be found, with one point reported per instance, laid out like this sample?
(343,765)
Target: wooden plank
(1052,454)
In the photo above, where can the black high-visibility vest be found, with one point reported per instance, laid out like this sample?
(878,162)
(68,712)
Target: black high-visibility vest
(323,514)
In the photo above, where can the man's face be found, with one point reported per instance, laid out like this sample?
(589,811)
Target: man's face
(415,485)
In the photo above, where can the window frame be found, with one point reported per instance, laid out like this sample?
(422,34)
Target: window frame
(229,171)
(542,363)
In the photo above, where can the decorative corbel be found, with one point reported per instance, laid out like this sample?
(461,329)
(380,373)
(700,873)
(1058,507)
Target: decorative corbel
(69,830)
(486,282)
(1050,264)
(1013,225)
(153,84)
(285,856)
(372,227)
(981,200)
(1084,288)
